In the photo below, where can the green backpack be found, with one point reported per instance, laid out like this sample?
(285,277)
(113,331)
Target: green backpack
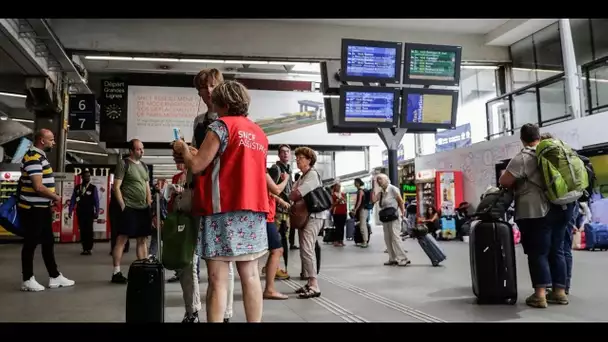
(563,172)
(179,236)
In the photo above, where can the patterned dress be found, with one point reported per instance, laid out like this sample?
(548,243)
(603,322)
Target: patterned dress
(234,236)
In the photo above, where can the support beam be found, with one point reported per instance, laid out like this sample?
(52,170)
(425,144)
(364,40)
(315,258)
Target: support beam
(573,88)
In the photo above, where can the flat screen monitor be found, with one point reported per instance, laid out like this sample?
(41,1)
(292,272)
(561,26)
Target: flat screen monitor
(369,107)
(371,61)
(429,108)
(332,112)
(428,64)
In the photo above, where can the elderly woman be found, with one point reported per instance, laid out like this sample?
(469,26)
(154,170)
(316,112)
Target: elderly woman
(392,210)
(235,204)
(310,180)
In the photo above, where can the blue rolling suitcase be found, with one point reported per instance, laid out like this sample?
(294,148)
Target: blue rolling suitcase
(596,236)
(430,246)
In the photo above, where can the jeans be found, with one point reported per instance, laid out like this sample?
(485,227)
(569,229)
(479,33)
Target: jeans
(543,242)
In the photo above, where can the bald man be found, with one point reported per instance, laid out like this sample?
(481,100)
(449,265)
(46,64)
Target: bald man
(36,196)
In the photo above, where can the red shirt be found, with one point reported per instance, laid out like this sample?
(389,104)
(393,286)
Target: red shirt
(339,209)
(236,180)
(272,208)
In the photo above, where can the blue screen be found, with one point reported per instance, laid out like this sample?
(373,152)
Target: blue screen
(429,108)
(372,107)
(376,62)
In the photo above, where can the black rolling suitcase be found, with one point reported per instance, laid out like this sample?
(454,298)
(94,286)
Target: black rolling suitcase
(492,257)
(146,287)
(431,248)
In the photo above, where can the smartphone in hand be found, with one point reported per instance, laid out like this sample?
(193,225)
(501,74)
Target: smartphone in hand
(177,134)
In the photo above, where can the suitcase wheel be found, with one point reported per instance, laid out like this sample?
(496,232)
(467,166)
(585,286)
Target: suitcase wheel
(435,264)
(511,301)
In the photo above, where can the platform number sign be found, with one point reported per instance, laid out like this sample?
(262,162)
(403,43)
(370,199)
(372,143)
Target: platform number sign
(82,112)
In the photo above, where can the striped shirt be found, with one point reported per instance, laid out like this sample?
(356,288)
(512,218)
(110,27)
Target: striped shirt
(35,163)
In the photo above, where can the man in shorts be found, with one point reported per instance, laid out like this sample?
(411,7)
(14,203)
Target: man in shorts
(132,190)
(275,245)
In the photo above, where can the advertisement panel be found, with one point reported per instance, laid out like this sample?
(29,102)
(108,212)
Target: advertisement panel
(287,117)
(453,138)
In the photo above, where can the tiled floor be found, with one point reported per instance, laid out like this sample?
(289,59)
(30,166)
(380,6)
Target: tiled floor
(355,286)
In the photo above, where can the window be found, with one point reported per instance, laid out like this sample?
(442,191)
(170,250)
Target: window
(581,37)
(553,102)
(537,57)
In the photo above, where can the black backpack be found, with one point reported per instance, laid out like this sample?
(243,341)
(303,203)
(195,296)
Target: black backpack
(592,179)
(494,205)
(366,202)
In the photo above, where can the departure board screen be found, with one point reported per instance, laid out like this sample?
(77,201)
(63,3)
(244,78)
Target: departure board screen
(432,65)
(429,108)
(373,62)
(369,107)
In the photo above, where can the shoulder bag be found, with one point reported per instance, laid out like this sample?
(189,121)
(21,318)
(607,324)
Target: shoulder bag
(319,199)
(387,214)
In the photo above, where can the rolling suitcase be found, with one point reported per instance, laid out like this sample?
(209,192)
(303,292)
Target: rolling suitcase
(350,229)
(430,246)
(146,287)
(492,257)
(596,236)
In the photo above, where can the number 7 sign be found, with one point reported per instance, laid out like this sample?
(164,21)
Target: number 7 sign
(82,112)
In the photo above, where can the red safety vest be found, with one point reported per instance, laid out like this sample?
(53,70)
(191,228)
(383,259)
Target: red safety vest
(237,179)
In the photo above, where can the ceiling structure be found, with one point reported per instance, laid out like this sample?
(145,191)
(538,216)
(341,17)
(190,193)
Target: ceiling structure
(462,26)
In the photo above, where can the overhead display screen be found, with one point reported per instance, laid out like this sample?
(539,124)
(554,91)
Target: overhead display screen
(368,107)
(432,64)
(371,61)
(429,108)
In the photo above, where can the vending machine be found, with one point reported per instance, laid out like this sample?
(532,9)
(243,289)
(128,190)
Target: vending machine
(444,191)
(8,188)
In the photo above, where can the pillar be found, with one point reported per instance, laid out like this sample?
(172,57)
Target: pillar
(570,69)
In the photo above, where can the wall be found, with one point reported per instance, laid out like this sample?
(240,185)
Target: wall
(478,161)
(246,38)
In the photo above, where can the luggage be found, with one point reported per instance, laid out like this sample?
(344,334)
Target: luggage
(492,258)
(350,229)
(430,246)
(494,204)
(329,234)
(596,236)
(146,288)
(563,172)
(179,236)
(599,210)
(578,240)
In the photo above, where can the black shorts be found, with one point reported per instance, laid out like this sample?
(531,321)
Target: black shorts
(135,222)
(274,238)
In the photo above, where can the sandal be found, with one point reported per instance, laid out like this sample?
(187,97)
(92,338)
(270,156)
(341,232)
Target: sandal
(303,289)
(310,293)
(276,296)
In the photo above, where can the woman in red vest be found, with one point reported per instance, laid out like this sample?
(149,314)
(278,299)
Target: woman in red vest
(236,201)
(338,212)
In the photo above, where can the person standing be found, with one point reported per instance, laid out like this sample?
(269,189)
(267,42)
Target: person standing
(338,212)
(132,190)
(36,191)
(86,199)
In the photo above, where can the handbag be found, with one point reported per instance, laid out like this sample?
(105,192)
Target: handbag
(319,199)
(388,214)
(298,215)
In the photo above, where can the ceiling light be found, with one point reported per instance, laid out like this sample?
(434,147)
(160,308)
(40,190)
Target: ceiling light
(13,95)
(83,142)
(479,67)
(204,61)
(88,153)
(23,120)
(151,59)
(109,58)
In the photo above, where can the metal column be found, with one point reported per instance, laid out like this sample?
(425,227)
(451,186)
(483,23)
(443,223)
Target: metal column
(570,68)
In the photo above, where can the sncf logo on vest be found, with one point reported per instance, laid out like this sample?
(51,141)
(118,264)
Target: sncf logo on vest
(247,139)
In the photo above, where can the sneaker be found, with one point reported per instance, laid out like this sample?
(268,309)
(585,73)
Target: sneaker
(31,285)
(281,275)
(554,298)
(118,278)
(390,263)
(226,320)
(536,302)
(191,318)
(404,263)
(173,279)
(294,247)
(60,281)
